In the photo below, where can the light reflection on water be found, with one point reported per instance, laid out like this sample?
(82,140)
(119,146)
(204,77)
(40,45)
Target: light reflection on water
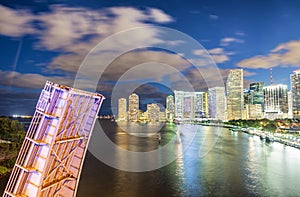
(237,165)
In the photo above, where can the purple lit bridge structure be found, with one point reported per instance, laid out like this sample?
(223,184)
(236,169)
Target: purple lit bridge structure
(52,155)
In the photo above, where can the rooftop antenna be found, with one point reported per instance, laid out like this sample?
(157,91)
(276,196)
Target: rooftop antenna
(271,76)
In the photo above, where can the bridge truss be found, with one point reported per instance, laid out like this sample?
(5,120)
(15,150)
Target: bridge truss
(52,154)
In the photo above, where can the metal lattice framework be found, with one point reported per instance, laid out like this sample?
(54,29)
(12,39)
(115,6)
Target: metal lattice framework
(51,157)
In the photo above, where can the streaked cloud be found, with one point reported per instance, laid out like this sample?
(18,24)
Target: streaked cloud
(15,23)
(28,80)
(284,55)
(213,17)
(219,55)
(228,40)
(159,16)
(240,33)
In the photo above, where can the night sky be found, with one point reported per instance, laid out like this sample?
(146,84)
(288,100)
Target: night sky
(48,40)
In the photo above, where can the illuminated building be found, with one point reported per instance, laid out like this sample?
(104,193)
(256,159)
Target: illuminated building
(133,107)
(122,109)
(276,101)
(162,116)
(190,105)
(290,104)
(170,108)
(257,93)
(295,88)
(217,103)
(200,105)
(178,104)
(153,112)
(253,111)
(52,154)
(234,93)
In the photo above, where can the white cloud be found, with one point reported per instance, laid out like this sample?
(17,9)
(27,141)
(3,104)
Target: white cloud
(15,23)
(229,40)
(219,55)
(286,54)
(213,17)
(159,16)
(75,31)
(29,80)
(239,33)
(68,29)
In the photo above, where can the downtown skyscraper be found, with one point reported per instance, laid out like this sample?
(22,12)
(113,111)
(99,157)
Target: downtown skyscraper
(217,103)
(170,108)
(234,93)
(153,112)
(133,110)
(122,109)
(295,89)
(257,93)
(190,105)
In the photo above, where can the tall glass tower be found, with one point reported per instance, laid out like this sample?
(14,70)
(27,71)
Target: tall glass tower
(295,88)
(235,95)
(133,107)
(179,104)
(257,93)
(122,109)
(170,108)
(217,103)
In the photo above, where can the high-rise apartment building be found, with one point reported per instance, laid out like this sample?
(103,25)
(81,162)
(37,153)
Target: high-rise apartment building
(234,93)
(253,111)
(290,104)
(188,106)
(179,104)
(170,108)
(295,88)
(133,110)
(191,105)
(122,109)
(257,93)
(276,101)
(200,105)
(153,112)
(217,103)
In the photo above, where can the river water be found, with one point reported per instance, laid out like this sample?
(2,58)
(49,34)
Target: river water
(211,161)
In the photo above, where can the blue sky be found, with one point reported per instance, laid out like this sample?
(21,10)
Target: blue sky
(47,40)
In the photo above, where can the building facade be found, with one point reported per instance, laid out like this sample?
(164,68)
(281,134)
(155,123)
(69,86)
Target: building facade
(290,104)
(257,93)
(276,101)
(179,104)
(170,108)
(295,88)
(253,111)
(234,94)
(217,103)
(122,109)
(153,112)
(191,105)
(133,110)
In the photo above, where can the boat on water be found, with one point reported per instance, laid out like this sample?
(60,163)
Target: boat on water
(269,139)
(262,136)
(234,130)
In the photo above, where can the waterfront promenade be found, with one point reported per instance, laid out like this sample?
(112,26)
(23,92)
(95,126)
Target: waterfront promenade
(284,138)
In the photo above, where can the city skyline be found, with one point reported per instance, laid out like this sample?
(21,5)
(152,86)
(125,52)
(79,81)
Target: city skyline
(41,41)
(231,102)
